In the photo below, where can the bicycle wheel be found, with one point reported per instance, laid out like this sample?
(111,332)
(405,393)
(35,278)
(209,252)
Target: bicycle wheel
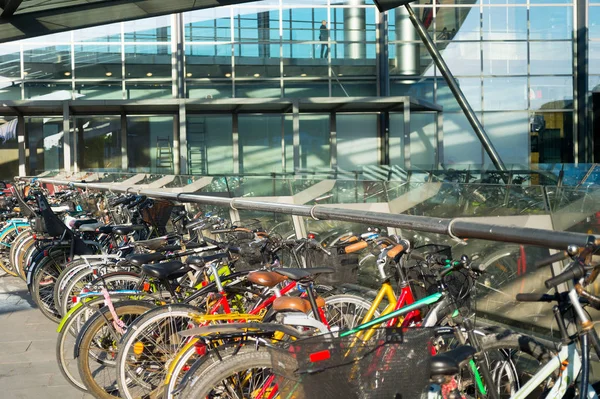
(19,250)
(70,270)
(26,253)
(5,245)
(151,342)
(21,238)
(345,311)
(99,348)
(44,278)
(242,376)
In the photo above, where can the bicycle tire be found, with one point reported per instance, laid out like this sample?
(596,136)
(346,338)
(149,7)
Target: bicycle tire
(128,310)
(42,287)
(19,250)
(70,270)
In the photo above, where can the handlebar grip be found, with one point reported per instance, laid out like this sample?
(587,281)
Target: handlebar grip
(534,297)
(347,239)
(356,247)
(575,272)
(557,257)
(395,251)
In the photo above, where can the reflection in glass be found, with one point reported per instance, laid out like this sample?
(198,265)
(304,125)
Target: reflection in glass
(356,141)
(463,59)
(148,61)
(98,61)
(45,142)
(10,63)
(209,144)
(147,91)
(209,89)
(551,137)
(150,144)
(422,139)
(508,131)
(507,58)
(47,62)
(551,23)
(504,94)
(157,29)
(504,23)
(98,91)
(461,145)
(210,25)
(260,143)
(203,61)
(471,88)
(457,24)
(314,141)
(99,142)
(551,58)
(551,92)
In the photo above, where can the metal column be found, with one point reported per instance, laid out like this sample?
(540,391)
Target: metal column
(235,143)
(176,149)
(22,145)
(439,138)
(124,159)
(183,144)
(178,56)
(455,88)
(296,134)
(66,138)
(355,29)
(333,140)
(584,136)
(408,60)
(406,141)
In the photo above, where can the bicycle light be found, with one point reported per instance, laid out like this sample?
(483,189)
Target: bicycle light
(320,356)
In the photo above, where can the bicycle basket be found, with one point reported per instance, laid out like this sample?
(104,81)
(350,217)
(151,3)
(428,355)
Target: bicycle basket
(394,366)
(460,285)
(158,214)
(345,265)
(250,256)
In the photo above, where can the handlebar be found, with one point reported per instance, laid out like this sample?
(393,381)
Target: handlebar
(575,271)
(356,247)
(557,257)
(535,297)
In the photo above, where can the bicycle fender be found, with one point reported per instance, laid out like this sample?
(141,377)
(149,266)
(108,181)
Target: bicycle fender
(233,328)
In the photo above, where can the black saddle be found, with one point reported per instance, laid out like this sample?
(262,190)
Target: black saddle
(166,270)
(91,228)
(142,259)
(303,274)
(124,230)
(448,363)
(153,244)
(80,222)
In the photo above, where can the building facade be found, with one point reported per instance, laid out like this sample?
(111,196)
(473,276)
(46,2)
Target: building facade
(529,68)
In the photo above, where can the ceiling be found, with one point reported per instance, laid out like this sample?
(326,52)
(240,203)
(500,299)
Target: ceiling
(21,19)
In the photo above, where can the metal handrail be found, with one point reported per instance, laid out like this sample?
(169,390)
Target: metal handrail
(456,228)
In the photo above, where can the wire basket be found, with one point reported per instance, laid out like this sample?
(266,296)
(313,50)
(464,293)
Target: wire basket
(345,265)
(460,286)
(158,214)
(394,366)
(250,257)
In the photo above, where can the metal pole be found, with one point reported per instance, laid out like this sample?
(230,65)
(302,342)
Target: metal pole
(460,228)
(455,89)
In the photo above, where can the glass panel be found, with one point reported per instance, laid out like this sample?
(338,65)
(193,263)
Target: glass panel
(157,29)
(47,62)
(209,89)
(508,58)
(396,139)
(148,61)
(551,92)
(306,89)
(457,24)
(45,141)
(504,23)
(48,91)
(154,90)
(552,58)
(150,144)
(461,145)
(9,152)
(551,137)
(260,143)
(422,89)
(258,89)
(509,134)
(594,57)
(356,141)
(314,141)
(552,23)
(471,88)
(353,88)
(210,145)
(98,91)
(504,94)
(203,61)
(10,91)
(104,33)
(98,61)
(410,59)
(462,58)
(10,63)
(422,139)
(211,25)
(99,142)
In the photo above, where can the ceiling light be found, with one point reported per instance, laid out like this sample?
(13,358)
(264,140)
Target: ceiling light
(25,73)
(108,73)
(257,75)
(303,75)
(189,74)
(67,73)
(340,74)
(149,74)
(227,75)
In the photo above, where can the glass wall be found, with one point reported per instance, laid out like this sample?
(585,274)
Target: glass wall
(150,144)
(512,59)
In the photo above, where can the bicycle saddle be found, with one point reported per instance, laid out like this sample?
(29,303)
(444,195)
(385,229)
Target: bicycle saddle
(153,244)
(142,259)
(166,270)
(448,363)
(91,228)
(295,304)
(266,279)
(124,230)
(80,222)
(302,274)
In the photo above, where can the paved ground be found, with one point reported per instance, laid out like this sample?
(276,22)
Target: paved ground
(28,367)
